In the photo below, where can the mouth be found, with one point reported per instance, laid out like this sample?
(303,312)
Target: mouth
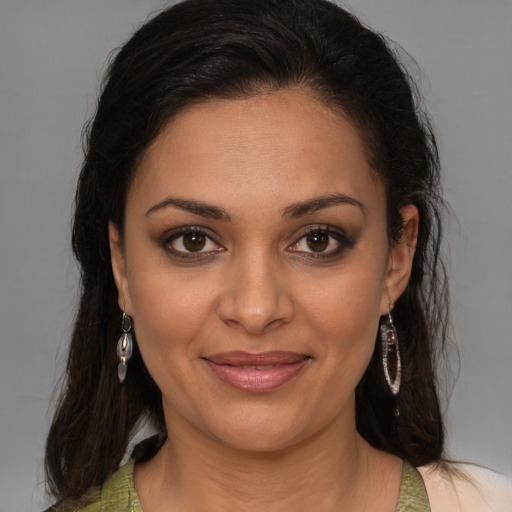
(256,373)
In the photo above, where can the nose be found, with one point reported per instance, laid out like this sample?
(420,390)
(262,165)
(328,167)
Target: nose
(256,297)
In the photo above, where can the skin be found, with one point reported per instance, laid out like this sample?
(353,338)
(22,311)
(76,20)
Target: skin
(257,285)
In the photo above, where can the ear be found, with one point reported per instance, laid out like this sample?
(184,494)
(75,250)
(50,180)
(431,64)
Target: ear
(119,269)
(400,258)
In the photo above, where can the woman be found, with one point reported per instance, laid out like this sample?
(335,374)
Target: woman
(258,225)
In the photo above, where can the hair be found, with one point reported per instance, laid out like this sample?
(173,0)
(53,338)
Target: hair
(199,50)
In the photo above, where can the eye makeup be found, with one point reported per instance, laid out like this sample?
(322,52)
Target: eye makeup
(321,242)
(313,242)
(191,242)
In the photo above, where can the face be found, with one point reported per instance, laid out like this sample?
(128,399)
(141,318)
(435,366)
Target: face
(255,265)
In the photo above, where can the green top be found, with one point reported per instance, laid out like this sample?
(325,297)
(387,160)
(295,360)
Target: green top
(119,494)
(413,495)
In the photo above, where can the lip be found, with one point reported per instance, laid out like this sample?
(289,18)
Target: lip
(256,373)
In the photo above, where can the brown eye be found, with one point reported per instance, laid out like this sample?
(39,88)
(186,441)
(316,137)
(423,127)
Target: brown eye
(317,241)
(194,242)
(321,242)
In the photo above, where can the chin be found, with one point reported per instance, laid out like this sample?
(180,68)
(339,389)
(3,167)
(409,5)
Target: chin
(261,431)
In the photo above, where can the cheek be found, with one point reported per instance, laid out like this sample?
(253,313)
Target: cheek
(344,315)
(346,302)
(169,313)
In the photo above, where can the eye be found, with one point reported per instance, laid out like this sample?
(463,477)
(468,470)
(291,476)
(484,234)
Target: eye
(317,241)
(321,242)
(192,242)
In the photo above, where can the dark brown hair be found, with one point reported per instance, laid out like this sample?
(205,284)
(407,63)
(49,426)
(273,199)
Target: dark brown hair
(201,49)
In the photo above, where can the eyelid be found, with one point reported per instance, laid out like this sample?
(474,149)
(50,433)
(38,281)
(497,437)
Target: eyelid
(339,235)
(176,233)
(343,242)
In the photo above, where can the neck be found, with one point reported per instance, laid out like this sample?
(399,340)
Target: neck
(329,471)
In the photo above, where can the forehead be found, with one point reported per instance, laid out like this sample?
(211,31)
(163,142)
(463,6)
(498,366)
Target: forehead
(286,145)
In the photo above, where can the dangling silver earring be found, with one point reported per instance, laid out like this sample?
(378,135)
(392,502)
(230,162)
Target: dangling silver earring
(124,347)
(389,340)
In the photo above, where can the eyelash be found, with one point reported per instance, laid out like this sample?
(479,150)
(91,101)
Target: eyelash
(341,239)
(339,236)
(190,230)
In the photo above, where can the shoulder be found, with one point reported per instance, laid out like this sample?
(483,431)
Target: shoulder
(117,495)
(466,488)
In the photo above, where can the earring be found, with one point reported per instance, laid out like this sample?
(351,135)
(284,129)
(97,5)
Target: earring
(124,347)
(389,340)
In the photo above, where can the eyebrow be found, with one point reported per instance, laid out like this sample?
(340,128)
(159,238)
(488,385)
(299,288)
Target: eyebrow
(293,211)
(319,203)
(196,207)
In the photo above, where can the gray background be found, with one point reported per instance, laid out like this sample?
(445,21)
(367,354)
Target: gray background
(51,56)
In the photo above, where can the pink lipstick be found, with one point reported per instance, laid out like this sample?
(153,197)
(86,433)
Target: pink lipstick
(256,373)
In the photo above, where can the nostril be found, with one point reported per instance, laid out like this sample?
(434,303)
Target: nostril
(254,299)
(275,323)
(255,322)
